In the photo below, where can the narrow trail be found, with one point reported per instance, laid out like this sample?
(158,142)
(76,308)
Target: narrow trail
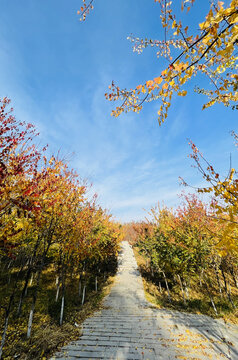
(129,327)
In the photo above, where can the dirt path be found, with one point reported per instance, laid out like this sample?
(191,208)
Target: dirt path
(130,328)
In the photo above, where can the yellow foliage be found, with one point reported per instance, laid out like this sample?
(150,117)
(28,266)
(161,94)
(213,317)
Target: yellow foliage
(210,51)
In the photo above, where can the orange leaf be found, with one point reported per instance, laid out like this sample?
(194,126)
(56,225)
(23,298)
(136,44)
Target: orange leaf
(158,80)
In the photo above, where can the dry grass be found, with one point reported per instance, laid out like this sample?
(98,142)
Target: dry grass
(47,336)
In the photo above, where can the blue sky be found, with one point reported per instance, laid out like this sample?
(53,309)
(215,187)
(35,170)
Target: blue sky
(56,70)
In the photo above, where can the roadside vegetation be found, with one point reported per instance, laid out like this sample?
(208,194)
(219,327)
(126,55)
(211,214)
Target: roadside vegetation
(47,335)
(57,246)
(184,261)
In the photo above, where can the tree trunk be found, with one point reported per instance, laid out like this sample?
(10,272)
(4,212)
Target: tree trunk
(63,281)
(57,292)
(210,296)
(181,285)
(80,286)
(96,283)
(62,310)
(24,291)
(200,278)
(33,304)
(218,280)
(167,287)
(30,320)
(83,297)
(225,283)
(226,288)
(160,288)
(186,287)
(10,263)
(31,280)
(229,287)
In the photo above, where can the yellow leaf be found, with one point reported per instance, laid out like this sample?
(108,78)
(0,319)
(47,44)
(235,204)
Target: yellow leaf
(234,19)
(174,24)
(149,83)
(143,90)
(182,93)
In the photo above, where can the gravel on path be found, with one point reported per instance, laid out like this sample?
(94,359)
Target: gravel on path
(129,327)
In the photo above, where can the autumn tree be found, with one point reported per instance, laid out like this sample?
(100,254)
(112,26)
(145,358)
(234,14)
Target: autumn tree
(19,159)
(224,192)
